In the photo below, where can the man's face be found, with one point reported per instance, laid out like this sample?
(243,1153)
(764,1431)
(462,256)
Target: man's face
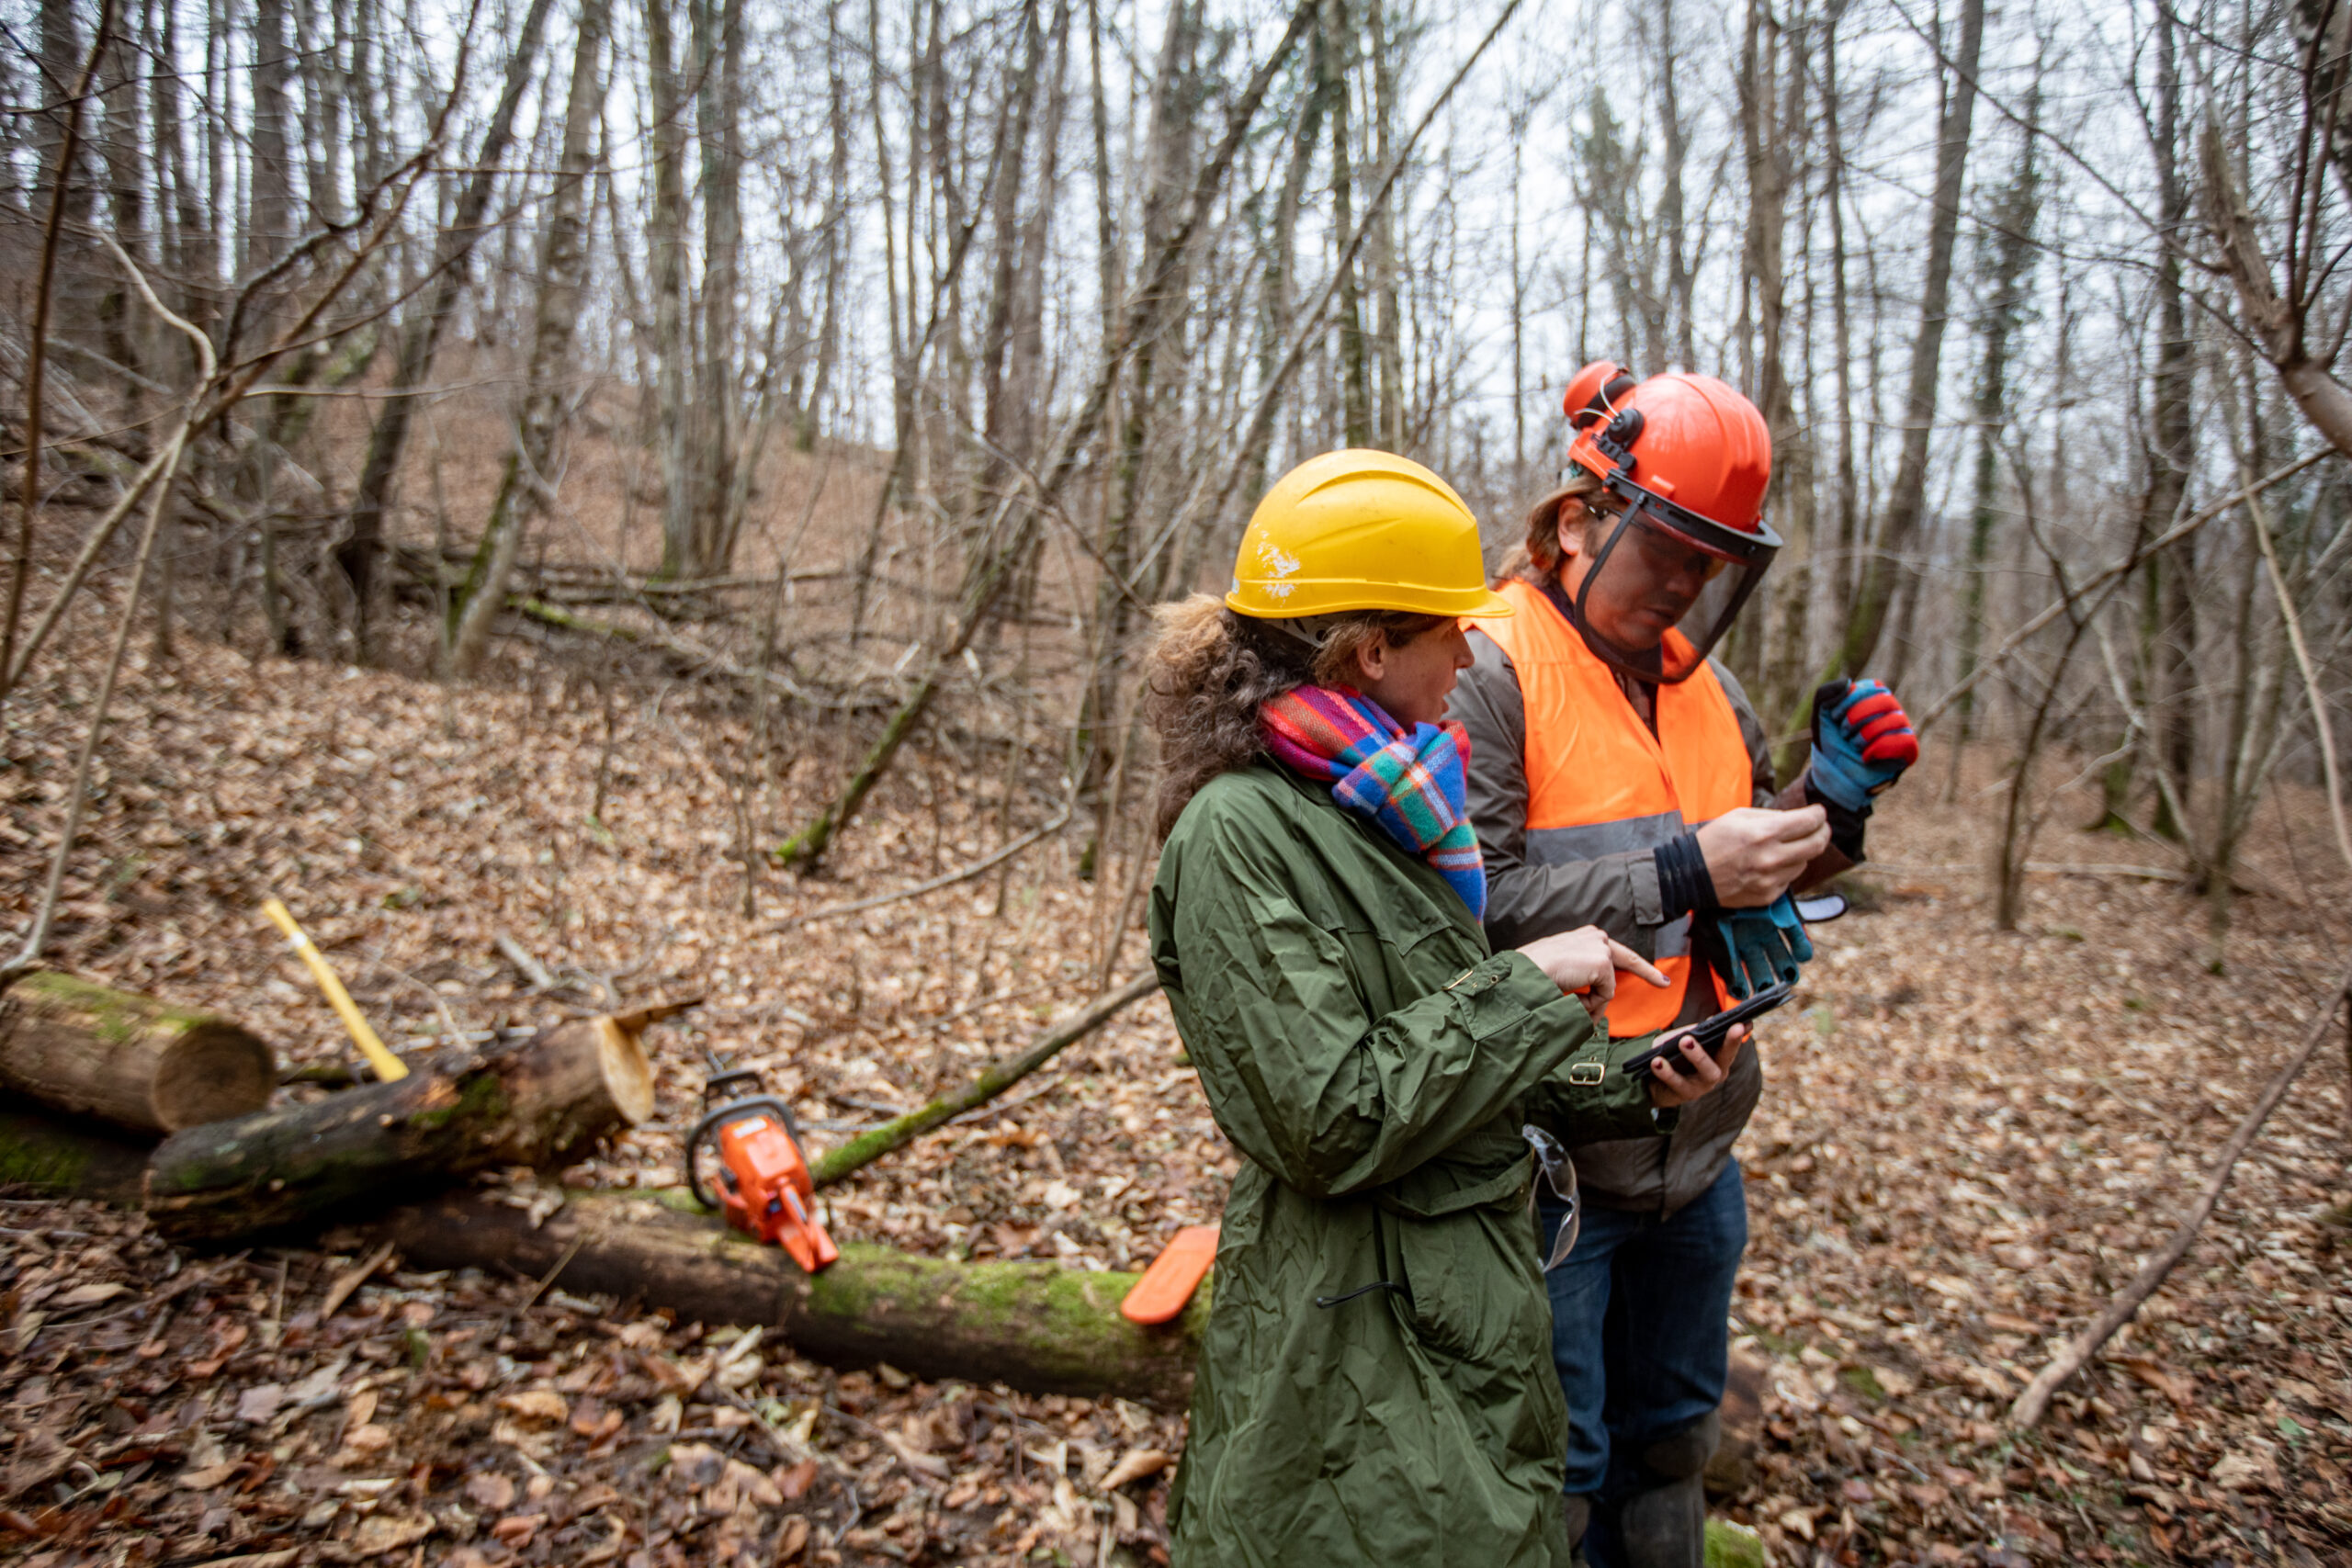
(1647,585)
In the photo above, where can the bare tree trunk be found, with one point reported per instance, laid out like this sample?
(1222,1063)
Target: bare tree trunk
(997,396)
(1388,346)
(1333,60)
(1168,165)
(420,340)
(1274,310)
(719,125)
(1772,120)
(1906,503)
(270,216)
(528,483)
(2170,624)
(1848,536)
(666,241)
(2015,215)
(837,245)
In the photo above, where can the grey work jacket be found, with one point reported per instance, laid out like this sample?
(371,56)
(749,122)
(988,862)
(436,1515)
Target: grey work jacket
(1527,898)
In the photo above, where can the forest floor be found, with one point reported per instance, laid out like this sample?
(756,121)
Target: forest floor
(1969,1140)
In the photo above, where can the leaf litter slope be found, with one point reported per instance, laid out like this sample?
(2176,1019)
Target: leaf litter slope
(1968,1141)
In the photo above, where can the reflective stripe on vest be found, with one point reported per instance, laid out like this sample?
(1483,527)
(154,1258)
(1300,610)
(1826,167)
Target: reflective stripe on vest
(1600,783)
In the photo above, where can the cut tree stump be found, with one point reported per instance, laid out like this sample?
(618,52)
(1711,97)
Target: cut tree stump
(1034,1326)
(127,1059)
(539,1103)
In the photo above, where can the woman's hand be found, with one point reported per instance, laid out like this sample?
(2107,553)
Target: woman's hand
(1588,959)
(1701,1074)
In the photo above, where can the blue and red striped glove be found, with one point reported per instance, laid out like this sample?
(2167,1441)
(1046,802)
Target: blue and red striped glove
(1862,742)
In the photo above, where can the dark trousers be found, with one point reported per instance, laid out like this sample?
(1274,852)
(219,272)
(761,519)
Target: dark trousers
(1639,1315)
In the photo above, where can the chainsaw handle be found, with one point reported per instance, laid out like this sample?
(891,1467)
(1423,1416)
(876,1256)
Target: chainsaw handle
(719,1116)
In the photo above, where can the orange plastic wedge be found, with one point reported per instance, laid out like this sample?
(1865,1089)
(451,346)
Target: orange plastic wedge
(1172,1278)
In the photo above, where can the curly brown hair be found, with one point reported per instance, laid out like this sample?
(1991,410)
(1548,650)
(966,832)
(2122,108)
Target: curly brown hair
(1210,670)
(1538,555)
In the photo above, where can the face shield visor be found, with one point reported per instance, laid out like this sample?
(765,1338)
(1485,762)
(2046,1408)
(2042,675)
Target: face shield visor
(1664,583)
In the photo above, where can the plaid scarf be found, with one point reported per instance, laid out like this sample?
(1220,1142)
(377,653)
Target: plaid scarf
(1411,785)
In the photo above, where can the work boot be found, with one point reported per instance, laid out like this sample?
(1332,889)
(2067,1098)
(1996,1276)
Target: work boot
(1577,1512)
(1664,1526)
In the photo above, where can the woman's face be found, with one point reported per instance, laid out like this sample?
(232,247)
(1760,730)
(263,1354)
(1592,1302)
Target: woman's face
(1411,680)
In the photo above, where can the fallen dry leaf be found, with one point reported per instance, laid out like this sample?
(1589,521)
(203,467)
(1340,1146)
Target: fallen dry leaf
(490,1491)
(88,1295)
(1134,1465)
(541,1405)
(515,1530)
(380,1533)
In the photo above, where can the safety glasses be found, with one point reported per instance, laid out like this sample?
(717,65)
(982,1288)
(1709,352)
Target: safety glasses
(1560,1173)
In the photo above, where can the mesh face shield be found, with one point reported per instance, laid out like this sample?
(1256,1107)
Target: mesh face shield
(1664,584)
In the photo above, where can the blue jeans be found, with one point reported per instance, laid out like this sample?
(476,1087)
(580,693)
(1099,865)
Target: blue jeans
(1639,1314)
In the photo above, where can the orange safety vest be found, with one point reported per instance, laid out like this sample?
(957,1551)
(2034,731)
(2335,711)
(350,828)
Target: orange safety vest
(1599,782)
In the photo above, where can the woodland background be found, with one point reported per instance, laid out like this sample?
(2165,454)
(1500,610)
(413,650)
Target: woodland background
(631,479)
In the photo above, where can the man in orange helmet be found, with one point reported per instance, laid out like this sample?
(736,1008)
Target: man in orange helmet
(1619,778)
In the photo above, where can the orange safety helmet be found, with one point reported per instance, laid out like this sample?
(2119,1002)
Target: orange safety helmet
(1689,457)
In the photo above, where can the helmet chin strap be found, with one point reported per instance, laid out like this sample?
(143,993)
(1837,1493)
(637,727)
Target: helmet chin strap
(1640,665)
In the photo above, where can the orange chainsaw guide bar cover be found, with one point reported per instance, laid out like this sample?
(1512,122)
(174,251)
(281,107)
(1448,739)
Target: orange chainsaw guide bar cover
(1172,1278)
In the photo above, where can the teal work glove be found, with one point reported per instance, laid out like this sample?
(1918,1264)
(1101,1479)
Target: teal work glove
(1762,947)
(1862,741)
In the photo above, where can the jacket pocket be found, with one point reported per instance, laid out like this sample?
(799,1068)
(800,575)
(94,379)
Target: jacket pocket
(1473,1292)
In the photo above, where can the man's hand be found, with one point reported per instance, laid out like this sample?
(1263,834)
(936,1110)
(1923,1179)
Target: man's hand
(1753,854)
(1762,947)
(1862,741)
(1588,959)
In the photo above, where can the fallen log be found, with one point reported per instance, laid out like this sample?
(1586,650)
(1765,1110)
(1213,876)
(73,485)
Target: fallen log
(873,1144)
(539,1103)
(1034,1326)
(43,1152)
(127,1059)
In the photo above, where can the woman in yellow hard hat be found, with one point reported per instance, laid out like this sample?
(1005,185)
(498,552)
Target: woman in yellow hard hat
(1375,1383)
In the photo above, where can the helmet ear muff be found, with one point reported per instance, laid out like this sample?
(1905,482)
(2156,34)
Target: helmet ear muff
(1595,393)
(1616,442)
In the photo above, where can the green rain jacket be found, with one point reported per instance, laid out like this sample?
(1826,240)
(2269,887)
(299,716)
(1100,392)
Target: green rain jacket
(1373,1063)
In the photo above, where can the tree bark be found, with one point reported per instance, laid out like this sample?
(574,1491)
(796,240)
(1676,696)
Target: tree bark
(1906,503)
(718,26)
(421,338)
(127,1059)
(665,243)
(43,1152)
(2016,216)
(270,216)
(528,484)
(1036,1327)
(2169,621)
(537,1104)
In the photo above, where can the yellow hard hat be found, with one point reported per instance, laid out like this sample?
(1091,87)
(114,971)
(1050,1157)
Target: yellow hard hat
(1361,530)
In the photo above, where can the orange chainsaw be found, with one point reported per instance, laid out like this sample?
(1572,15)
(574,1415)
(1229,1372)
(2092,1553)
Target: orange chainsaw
(764,1187)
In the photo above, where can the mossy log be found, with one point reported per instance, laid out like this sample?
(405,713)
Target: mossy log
(537,1103)
(127,1059)
(1036,1326)
(67,1156)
